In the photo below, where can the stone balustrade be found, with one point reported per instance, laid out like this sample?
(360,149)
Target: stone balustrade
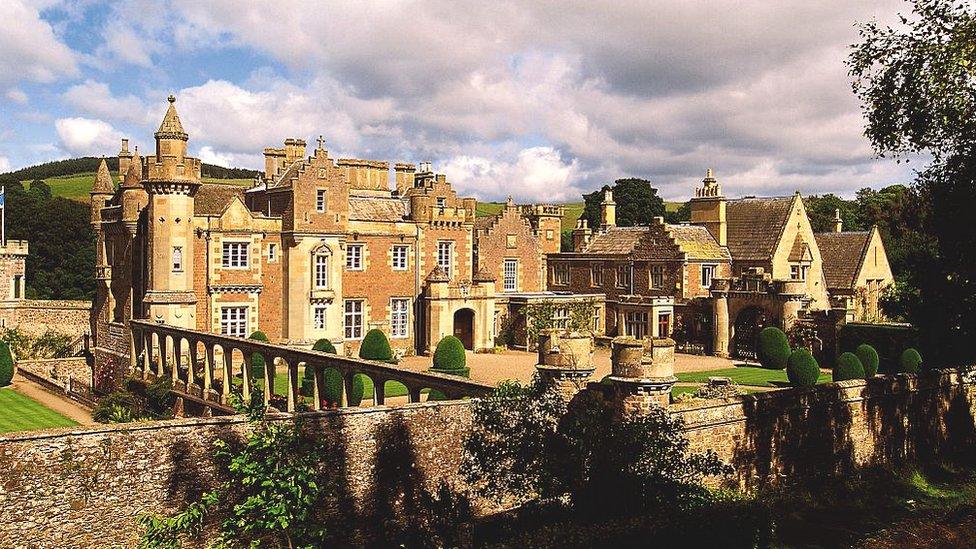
(195,359)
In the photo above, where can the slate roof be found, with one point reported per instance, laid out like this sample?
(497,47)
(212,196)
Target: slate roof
(213,198)
(755,225)
(616,240)
(284,180)
(171,126)
(103,180)
(483,222)
(376,209)
(842,255)
(697,242)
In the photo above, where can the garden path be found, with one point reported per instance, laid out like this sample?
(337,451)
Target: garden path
(59,404)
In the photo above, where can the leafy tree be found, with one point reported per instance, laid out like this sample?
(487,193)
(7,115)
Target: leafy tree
(682,214)
(637,203)
(916,82)
(576,316)
(821,210)
(258,363)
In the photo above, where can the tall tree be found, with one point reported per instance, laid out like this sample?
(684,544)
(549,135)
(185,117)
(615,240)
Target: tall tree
(918,88)
(637,203)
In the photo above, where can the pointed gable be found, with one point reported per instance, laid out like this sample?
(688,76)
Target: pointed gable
(755,226)
(843,254)
(212,199)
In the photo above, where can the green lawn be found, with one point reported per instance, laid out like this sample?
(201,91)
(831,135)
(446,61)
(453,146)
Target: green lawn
(21,413)
(393,388)
(747,375)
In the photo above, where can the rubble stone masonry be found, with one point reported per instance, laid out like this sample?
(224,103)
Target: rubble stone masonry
(86,487)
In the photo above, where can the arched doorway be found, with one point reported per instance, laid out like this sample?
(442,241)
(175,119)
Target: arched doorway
(464,327)
(748,323)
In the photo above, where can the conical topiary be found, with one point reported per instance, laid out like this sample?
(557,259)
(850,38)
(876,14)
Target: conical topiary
(257,360)
(6,364)
(308,383)
(910,362)
(773,348)
(449,357)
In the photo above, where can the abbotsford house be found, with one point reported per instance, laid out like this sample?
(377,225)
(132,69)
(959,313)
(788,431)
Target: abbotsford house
(328,248)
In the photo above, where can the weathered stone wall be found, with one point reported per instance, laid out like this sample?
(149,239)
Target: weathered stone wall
(86,487)
(58,370)
(836,427)
(38,316)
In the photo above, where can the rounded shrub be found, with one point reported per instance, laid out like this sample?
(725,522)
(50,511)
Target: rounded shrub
(869,359)
(6,365)
(333,388)
(376,346)
(324,346)
(449,357)
(773,348)
(848,367)
(802,369)
(910,361)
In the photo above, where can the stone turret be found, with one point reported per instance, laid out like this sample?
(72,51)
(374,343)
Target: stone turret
(125,158)
(404,177)
(565,360)
(708,208)
(838,222)
(172,182)
(102,190)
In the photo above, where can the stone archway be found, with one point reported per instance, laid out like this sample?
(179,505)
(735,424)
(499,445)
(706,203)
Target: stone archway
(748,322)
(464,327)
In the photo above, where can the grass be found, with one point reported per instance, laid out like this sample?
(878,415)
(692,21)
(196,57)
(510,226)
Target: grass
(392,388)
(747,375)
(78,186)
(22,413)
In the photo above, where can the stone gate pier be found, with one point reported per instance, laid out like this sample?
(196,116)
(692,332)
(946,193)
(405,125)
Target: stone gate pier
(642,372)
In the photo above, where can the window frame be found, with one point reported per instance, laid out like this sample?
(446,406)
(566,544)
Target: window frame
(513,287)
(227,254)
(406,257)
(449,246)
(177,266)
(316,311)
(713,269)
(623,276)
(399,319)
(636,319)
(349,331)
(560,274)
(227,323)
(321,200)
(359,257)
(315,270)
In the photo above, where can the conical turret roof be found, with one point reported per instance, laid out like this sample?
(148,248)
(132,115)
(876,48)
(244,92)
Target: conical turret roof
(103,180)
(133,176)
(171,128)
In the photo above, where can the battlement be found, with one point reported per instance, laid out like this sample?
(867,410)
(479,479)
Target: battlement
(14,247)
(168,168)
(365,174)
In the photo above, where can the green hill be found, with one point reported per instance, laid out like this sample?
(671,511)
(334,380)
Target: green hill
(72,178)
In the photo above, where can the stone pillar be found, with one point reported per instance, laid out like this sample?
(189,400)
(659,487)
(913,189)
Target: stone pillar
(565,360)
(720,324)
(643,372)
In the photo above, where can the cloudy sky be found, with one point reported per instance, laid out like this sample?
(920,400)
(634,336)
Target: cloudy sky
(542,100)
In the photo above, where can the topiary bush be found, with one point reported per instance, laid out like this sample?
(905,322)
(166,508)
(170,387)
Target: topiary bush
(773,348)
(324,346)
(376,346)
(308,377)
(449,357)
(333,388)
(910,362)
(848,367)
(869,359)
(257,360)
(802,369)
(6,365)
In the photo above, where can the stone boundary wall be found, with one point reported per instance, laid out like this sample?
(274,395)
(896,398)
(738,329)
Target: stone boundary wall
(835,427)
(86,487)
(69,377)
(36,316)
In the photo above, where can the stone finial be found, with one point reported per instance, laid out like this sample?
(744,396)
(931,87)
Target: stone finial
(710,187)
(321,141)
(510,201)
(171,127)
(838,222)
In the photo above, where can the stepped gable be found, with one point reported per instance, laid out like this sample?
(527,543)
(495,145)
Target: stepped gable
(755,226)
(842,255)
(212,198)
(696,242)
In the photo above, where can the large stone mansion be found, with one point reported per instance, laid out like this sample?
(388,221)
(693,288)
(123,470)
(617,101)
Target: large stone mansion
(328,248)
(317,248)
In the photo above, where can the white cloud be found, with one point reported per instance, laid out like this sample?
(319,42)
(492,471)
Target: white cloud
(29,49)
(538,173)
(4,164)
(96,99)
(16,95)
(208,155)
(86,136)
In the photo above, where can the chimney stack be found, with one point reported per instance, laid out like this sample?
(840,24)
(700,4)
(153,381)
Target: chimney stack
(838,222)
(608,211)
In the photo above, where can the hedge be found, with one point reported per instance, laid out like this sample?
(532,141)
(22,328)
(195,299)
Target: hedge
(869,359)
(848,367)
(449,357)
(257,360)
(308,386)
(376,346)
(773,348)
(887,339)
(333,388)
(802,369)
(6,365)
(910,361)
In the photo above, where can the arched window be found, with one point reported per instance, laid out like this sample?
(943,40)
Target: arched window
(320,268)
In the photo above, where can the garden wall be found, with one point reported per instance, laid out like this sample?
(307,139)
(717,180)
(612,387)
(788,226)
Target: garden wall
(85,487)
(35,316)
(70,377)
